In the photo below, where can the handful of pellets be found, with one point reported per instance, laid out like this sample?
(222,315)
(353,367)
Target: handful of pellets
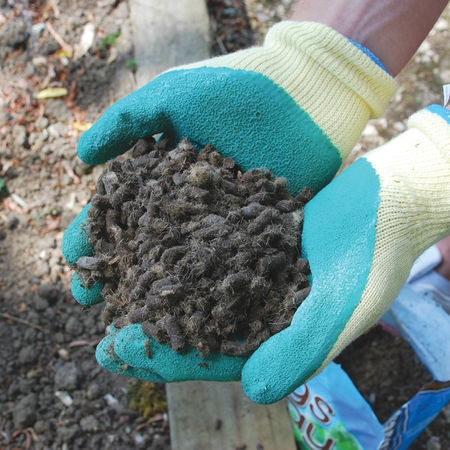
(196,251)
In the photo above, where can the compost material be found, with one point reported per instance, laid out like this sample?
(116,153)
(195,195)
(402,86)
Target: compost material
(198,252)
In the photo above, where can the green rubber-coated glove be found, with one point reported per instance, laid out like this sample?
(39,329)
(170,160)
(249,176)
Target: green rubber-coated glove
(361,235)
(296,105)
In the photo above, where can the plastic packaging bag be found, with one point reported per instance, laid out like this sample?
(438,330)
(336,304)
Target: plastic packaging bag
(426,326)
(403,427)
(329,413)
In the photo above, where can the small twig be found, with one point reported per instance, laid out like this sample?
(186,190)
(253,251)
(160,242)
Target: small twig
(64,45)
(92,343)
(133,80)
(3,433)
(114,260)
(29,433)
(70,172)
(111,97)
(33,434)
(11,83)
(91,188)
(157,418)
(221,45)
(25,322)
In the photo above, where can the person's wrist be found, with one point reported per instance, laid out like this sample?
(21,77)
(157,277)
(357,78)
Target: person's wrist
(391,29)
(346,17)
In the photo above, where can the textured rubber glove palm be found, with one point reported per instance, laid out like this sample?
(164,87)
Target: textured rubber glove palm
(132,353)
(296,105)
(361,235)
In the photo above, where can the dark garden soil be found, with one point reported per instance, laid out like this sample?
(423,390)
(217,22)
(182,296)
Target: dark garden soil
(198,252)
(388,373)
(53,394)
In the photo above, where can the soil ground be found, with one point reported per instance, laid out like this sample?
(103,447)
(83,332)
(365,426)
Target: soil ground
(52,349)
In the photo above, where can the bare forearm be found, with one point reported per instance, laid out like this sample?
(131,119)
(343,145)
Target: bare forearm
(392,29)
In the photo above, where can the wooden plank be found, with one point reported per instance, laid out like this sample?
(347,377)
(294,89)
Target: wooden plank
(196,409)
(167,34)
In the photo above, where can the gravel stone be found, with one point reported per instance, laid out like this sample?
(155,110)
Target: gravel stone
(46,149)
(30,335)
(41,268)
(13,390)
(49,313)
(26,386)
(94,391)
(49,46)
(58,110)
(33,317)
(446,412)
(28,355)
(34,137)
(49,292)
(68,377)
(41,426)
(81,168)
(12,222)
(89,424)
(68,434)
(57,130)
(433,443)
(40,304)
(15,34)
(74,326)
(41,123)
(60,338)
(24,414)
(20,136)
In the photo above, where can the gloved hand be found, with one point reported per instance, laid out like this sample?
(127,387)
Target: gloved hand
(361,235)
(296,105)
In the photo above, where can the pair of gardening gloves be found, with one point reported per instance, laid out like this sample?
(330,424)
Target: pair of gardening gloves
(296,105)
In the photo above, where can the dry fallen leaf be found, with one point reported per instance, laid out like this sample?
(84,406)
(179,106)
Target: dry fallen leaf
(58,38)
(63,54)
(52,224)
(52,93)
(81,126)
(9,206)
(86,41)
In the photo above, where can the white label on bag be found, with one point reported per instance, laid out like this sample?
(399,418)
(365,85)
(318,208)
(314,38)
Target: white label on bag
(446,89)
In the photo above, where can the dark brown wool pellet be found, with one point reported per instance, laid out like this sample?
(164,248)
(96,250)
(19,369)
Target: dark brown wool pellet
(200,253)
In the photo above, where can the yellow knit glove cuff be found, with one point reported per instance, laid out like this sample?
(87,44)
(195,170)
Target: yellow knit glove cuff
(331,79)
(414,213)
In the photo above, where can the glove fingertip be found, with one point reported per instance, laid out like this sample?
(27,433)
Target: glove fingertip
(105,355)
(108,359)
(259,391)
(75,242)
(276,368)
(87,151)
(86,296)
(130,345)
